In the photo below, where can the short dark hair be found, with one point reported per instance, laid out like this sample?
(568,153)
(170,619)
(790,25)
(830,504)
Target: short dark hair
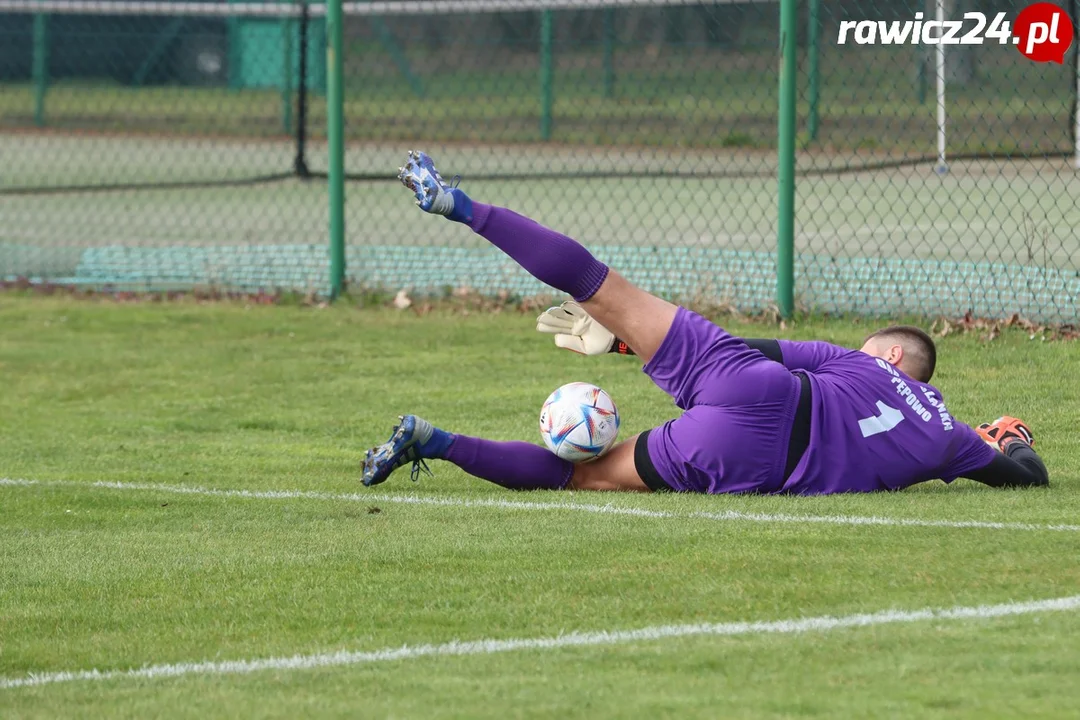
(918,347)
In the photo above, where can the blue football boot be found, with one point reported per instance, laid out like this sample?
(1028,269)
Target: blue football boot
(413,440)
(433,194)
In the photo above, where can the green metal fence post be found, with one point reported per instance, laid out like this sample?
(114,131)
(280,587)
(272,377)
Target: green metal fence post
(815,69)
(785,251)
(288,27)
(40,66)
(609,52)
(922,84)
(335,128)
(547,93)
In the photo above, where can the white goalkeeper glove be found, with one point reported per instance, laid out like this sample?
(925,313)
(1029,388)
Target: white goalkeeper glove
(574,329)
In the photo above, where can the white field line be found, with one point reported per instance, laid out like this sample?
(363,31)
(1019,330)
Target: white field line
(375,497)
(575,639)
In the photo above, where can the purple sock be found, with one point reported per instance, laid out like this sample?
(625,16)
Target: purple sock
(514,465)
(550,257)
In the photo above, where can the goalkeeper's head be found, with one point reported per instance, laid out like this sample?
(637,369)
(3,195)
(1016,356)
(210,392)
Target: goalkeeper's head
(905,347)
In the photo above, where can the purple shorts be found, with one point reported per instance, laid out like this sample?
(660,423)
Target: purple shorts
(739,407)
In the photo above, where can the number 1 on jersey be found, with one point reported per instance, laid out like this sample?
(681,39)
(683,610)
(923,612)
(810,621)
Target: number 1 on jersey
(889,418)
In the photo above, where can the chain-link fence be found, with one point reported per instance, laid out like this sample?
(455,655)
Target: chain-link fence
(160,145)
(884,224)
(646,130)
(647,133)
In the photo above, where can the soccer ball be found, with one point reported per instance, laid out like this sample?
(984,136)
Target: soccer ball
(579,422)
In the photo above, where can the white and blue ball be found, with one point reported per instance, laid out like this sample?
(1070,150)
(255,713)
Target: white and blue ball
(579,422)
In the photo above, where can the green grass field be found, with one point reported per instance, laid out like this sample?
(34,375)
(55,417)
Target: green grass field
(115,410)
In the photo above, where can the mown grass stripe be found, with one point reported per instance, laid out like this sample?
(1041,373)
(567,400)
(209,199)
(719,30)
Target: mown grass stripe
(490,646)
(530,505)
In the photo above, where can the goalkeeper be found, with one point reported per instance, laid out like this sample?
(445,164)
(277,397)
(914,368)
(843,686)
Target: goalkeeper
(575,330)
(763,416)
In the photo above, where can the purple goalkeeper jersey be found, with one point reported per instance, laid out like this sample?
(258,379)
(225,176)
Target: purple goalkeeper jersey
(874,428)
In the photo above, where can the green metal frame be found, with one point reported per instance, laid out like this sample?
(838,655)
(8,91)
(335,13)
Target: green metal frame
(785,240)
(40,66)
(814,94)
(288,26)
(335,128)
(547,73)
(609,52)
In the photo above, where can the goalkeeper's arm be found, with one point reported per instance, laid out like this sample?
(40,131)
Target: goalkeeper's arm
(1017,465)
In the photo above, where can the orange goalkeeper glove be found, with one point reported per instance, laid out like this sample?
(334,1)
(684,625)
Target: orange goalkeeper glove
(1005,430)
